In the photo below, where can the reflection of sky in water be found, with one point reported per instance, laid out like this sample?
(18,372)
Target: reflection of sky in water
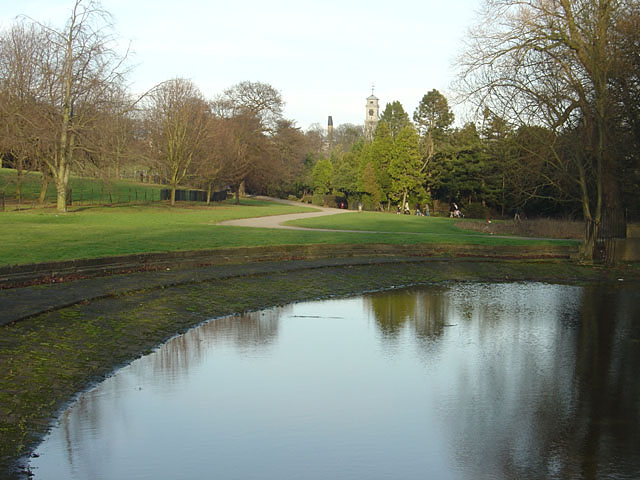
(463,382)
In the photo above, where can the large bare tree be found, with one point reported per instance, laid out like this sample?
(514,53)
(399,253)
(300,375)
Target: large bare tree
(79,68)
(177,122)
(550,62)
(257,99)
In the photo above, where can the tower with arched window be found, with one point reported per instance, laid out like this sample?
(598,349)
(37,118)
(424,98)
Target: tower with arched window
(372,116)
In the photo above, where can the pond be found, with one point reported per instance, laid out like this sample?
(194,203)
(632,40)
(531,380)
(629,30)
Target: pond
(457,381)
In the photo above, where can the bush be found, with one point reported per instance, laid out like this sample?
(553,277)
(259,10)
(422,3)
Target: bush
(332,201)
(476,210)
(317,199)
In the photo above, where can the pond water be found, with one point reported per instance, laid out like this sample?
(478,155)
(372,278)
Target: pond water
(464,381)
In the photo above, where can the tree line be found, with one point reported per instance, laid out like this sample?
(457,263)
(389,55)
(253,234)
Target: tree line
(555,85)
(65,106)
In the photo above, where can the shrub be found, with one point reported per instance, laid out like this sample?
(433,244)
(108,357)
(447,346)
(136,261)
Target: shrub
(476,210)
(317,199)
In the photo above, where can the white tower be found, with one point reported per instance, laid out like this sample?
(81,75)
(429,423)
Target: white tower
(372,116)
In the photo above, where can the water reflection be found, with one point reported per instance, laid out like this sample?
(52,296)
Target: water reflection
(462,382)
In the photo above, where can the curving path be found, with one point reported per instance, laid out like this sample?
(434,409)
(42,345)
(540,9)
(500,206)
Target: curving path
(277,221)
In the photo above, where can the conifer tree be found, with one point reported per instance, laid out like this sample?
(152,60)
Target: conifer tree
(404,168)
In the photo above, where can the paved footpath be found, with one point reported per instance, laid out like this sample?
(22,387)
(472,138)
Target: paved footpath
(277,221)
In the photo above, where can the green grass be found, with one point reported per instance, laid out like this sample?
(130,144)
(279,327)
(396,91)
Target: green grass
(384,222)
(40,235)
(85,191)
(428,229)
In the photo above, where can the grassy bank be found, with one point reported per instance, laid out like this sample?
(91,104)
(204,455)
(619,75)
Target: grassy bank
(45,360)
(42,235)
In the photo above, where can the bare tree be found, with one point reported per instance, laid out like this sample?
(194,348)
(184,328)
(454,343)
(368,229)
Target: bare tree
(108,144)
(20,80)
(258,99)
(211,156)
(245,149)
(78,67)
(177,122)
(550,62)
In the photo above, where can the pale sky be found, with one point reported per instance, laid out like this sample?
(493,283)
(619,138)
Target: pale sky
(323,56)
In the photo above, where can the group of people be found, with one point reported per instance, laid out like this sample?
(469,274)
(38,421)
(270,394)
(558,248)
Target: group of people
(454,211)
(407,211)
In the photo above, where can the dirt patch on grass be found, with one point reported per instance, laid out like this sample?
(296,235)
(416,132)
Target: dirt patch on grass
(47,359)
(534,228)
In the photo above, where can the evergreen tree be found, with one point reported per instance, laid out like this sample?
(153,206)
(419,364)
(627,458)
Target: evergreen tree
(432,118)
(379,153)
(322,175)
(345,172)
(370,185)
(404,168)
(395,117)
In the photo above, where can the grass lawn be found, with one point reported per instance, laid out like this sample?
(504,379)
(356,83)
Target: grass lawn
(85,191)
(40,235)
(377,222)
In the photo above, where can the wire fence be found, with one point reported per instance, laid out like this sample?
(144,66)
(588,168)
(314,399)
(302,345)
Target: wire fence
(99,196)
(79,197)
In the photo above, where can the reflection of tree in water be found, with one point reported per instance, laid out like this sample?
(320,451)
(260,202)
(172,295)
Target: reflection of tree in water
(551,399)
(249,333)
(604,425)
(425,310)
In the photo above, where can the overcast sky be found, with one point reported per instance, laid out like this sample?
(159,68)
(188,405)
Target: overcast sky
(323,56)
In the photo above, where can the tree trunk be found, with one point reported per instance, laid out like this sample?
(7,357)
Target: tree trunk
(237,191)
(61,194)
(173,195)
(43,189)
(20,175)
(588,250)
(208,194)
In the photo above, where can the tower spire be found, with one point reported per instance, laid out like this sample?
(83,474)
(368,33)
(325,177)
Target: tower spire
(372,115)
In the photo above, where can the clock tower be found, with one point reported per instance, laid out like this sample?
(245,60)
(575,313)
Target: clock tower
(372,116)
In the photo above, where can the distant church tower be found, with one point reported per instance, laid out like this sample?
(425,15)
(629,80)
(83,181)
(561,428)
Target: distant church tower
(372,116)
